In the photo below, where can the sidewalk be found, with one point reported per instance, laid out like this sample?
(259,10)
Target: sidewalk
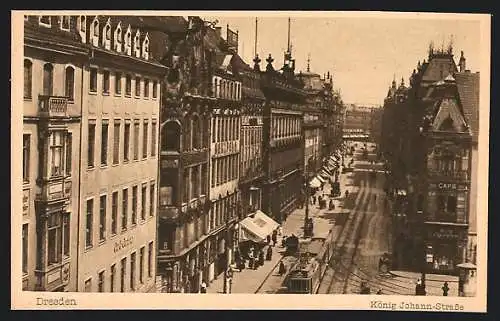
(265,279)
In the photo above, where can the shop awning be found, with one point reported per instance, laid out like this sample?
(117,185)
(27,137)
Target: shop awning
(321,179)
(257,228)
(315,183)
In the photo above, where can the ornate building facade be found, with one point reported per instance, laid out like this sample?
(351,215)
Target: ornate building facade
(282,133)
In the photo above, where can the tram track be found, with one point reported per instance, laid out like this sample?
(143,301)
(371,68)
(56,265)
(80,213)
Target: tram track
(349,241)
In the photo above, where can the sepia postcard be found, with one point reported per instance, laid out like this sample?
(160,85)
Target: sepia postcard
(250,160)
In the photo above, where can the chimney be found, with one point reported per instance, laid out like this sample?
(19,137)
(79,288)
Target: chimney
(461,62)
(218,31)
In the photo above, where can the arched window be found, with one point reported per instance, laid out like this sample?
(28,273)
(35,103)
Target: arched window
(65,23)
(196,132)
(95,32)
(28,74)
(69,83)
(128,41)
(137,45)
(48,77)
(145,47)
(171,137)
(106,35)
(118,38)
(82,28)
(45,21)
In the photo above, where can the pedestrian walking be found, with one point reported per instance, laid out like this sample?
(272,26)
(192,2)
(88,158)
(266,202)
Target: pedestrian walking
(203,287)
(282,268)
(269,254)
(445,289)
(251,259)
(261,257)
(274,237)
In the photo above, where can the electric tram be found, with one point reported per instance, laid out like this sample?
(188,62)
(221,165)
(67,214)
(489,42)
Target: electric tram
(313,257)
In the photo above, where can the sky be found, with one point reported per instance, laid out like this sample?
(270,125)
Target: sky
(363,53)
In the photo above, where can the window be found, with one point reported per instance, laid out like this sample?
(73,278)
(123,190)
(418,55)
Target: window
(196,132)
(144,194)
(45,21)
(48,78)
(128,85)
(137,45)
(124,209)
(95,32)
(89,223)
(185,193)
(152,199)
(134,205)
(93,80)
(146,88)
(116,142)
(141,265)
(25,248)
(69,86)
(100,284)
(91,142)
(153,138)
(171,137)
(66,234)
(82,25)
(137,86)
(132,271)
(114,213)
(118,83)
(28,76)
(150,259)
(105,81)
(54,245)
(441,203)
(145,139)
(88,285)
(126,142)
(136,140)
(69,151)
(106,35)
(128,41)
(451,204)
(155,89)
(112,277)
(194,181)
(56,151)
(118,38)
(65,23)
(104,144)
(123,269)
(145,48)
(102,217)
(26,157)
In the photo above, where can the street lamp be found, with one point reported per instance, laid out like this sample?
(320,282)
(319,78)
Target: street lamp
(228,277)
(306,217)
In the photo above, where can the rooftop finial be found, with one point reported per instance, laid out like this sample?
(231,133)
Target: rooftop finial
(309,62)
(255,44)
(450,45)
(431,49)
(288,42)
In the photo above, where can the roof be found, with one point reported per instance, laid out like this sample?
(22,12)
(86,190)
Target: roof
(468,89)
(432,70)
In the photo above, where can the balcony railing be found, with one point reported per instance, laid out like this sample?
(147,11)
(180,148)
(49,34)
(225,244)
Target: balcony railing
(459,175)
(53,106)
(53,277)
(55,189)
(168,213)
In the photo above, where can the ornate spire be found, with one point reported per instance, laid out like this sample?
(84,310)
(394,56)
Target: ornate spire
(394,81)
(256,61)
(269,66)
(402,82)
(431,49)
(309,63)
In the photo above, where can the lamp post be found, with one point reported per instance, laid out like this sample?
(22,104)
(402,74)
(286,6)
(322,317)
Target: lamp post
(306,217)
(227,277)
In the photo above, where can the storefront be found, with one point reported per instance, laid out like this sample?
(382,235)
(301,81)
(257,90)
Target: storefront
(444,248)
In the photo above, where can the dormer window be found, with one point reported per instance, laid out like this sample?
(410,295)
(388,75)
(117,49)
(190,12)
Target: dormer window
(94,31)
(145,47)
(128,41)
(106,35)
(137,45)
(65,23)
(118,38)
(82,28)
(45,21)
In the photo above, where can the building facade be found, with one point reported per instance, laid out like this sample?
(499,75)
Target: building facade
(119,168)
(282,133)
(429,148)
(52,110)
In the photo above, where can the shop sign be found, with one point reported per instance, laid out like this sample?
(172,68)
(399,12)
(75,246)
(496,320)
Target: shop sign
(123,243)
(429,258)
(447,186)
(445,234)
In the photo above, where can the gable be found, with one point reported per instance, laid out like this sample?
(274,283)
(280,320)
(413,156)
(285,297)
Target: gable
(449,117)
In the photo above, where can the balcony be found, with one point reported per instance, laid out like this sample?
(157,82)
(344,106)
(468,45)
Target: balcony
(52,106)
(168,213)
(54,277)
(454,175)
(55,190)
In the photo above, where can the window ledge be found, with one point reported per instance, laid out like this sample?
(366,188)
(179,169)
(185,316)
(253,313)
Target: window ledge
(92,92)
(128,96)
(27,98)
(118,95)
(104,93)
